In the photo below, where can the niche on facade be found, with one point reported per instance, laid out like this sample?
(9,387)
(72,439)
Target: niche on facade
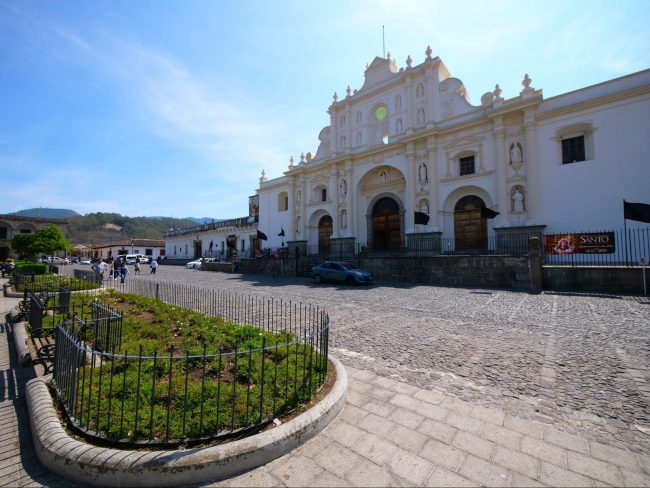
(423,206)
(517,199)
(383,178)
(283,201)
(319,193)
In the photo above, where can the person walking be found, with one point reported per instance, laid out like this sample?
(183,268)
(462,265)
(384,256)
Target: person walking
(116,269)
(124,270)
(154,265)
(137,266)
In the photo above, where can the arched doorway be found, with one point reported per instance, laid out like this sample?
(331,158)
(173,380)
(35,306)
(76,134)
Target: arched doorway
(470,227)
(386,235)
(325,230)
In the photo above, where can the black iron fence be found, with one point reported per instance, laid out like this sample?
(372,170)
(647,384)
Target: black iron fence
(189,396)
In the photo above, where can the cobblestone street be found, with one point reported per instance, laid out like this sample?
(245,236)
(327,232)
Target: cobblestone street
(579,363)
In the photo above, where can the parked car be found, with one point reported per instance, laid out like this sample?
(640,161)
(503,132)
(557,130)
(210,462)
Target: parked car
(54,260)
(85,261)
(196,264)
(73,259)
(340,272)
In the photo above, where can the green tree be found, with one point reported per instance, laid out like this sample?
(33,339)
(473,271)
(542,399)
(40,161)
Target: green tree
(50,239)
(23,244)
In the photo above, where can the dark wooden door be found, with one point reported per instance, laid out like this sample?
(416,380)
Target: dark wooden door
(386,232)
(470,228)
(325,230)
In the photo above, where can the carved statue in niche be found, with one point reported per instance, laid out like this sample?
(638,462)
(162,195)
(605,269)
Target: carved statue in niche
(344,219)
(298,195)
(518,203)
(420,117)
(344,188)
(423,173)
(398,126)
(383,177)
(298,225)
(398,102)
(516,157)
(424,206)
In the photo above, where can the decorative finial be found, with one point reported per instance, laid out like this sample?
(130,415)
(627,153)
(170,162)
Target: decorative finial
(348,90)
(291,160)
(335,97)
(497,92)
(428,52)
(263,177)
(302,158)
(409,61)
(528,90)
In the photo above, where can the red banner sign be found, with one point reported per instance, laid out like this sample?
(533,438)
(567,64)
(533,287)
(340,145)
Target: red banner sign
(591,243)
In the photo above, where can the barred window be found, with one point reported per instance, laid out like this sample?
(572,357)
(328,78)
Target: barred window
(573,149)
(467,166)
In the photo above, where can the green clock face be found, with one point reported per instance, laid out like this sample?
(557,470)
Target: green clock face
(381,113)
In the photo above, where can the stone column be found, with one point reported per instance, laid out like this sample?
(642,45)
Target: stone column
(503,204)
(409,104)
(303,208)
(349,200)
(291,231)
(409,192)
(334,196)
(533,190)
(434,193)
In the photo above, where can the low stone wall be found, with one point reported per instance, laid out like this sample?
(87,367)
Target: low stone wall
(595,279)
(479,271)
(174,262)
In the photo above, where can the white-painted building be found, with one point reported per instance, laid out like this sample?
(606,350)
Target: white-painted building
(220,239)
(153,248)
(409,145)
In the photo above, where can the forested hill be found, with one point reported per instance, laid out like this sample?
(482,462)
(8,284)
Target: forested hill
(103,227)
(47,213)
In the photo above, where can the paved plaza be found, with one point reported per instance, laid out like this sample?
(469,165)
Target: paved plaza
(449,387)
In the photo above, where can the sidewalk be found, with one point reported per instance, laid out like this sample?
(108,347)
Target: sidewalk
(393,434)
(389,434)
(18,463)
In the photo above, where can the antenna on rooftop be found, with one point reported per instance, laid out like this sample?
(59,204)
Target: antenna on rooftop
(383,40)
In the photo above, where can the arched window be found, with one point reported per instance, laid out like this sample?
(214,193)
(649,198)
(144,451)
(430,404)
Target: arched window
(398,126)
(398,102)
(358,117)
(342,121)
(359,138)
(419,91)
(342,143)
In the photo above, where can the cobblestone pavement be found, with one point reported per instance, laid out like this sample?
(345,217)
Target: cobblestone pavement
(580,362)
(448,387)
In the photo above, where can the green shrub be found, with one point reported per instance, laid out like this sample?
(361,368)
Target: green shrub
(31,268)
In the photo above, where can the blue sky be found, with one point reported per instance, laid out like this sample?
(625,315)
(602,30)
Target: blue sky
(174,108)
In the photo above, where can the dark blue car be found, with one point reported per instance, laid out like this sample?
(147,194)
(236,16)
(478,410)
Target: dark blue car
(341,272)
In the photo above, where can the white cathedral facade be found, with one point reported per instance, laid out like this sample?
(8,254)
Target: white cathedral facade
(408,157)
(409,141)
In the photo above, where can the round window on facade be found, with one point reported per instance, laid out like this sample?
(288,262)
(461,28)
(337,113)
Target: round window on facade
(381,113)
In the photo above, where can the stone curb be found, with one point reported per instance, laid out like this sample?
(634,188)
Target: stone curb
(13,294)
(98,466)
(20,341)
